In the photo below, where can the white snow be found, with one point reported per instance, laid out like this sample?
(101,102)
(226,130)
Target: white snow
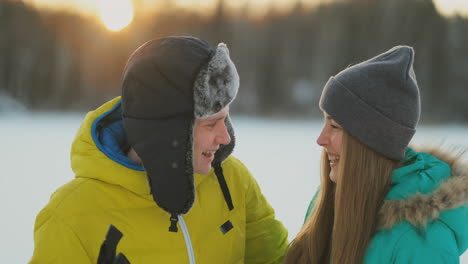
(281,154)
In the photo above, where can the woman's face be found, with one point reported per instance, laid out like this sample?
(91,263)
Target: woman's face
(331,140)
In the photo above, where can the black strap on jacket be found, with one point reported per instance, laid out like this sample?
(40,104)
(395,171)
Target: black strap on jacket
(109,248)
(222,183)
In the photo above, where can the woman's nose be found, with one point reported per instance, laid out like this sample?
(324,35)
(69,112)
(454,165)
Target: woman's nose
(322,140)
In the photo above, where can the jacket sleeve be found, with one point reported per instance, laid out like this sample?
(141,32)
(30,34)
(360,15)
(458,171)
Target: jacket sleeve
(435,244)
(55,242)
(266,237)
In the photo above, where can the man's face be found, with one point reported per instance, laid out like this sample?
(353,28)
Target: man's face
(208,135)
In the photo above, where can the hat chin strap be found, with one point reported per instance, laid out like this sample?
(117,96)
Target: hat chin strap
(222,183)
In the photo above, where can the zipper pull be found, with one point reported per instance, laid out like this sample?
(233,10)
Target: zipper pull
(174,219)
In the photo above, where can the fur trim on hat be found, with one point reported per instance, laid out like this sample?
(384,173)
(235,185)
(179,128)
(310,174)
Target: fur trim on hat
(420,209)
(216,84)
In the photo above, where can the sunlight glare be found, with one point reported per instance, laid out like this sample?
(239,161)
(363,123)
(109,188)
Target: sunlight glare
(116,14)
(452,7)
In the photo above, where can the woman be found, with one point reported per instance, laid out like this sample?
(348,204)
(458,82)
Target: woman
(379,200)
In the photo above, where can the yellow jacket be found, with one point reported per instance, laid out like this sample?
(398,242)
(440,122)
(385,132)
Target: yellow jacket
(72,227)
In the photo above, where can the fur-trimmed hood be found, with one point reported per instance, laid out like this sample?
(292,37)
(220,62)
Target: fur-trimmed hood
(428,185)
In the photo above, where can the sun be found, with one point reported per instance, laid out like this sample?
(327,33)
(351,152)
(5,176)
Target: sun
(115,14)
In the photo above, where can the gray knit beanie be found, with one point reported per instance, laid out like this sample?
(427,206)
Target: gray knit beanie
(377,101)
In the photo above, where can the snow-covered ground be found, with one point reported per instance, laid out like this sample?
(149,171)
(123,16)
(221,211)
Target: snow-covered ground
(282,155)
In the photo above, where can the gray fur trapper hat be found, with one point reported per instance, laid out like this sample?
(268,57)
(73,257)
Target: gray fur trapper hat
(377,101)
(166,84)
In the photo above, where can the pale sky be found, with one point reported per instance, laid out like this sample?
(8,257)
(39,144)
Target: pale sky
(446,7)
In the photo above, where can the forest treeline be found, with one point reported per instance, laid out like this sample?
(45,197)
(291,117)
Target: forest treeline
(53,60)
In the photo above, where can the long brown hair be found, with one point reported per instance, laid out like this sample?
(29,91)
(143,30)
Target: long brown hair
(344,216)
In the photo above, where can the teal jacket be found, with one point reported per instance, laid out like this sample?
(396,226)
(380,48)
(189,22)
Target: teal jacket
(424,218)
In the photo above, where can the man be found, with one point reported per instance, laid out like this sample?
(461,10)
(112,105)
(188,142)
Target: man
(156,165)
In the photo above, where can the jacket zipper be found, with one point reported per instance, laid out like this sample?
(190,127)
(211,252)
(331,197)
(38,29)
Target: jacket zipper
(188,242)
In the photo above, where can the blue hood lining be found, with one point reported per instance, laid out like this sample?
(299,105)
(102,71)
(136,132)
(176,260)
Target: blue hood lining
(109,136)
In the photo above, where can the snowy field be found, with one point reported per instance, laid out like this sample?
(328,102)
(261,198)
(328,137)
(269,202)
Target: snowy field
(282,155)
